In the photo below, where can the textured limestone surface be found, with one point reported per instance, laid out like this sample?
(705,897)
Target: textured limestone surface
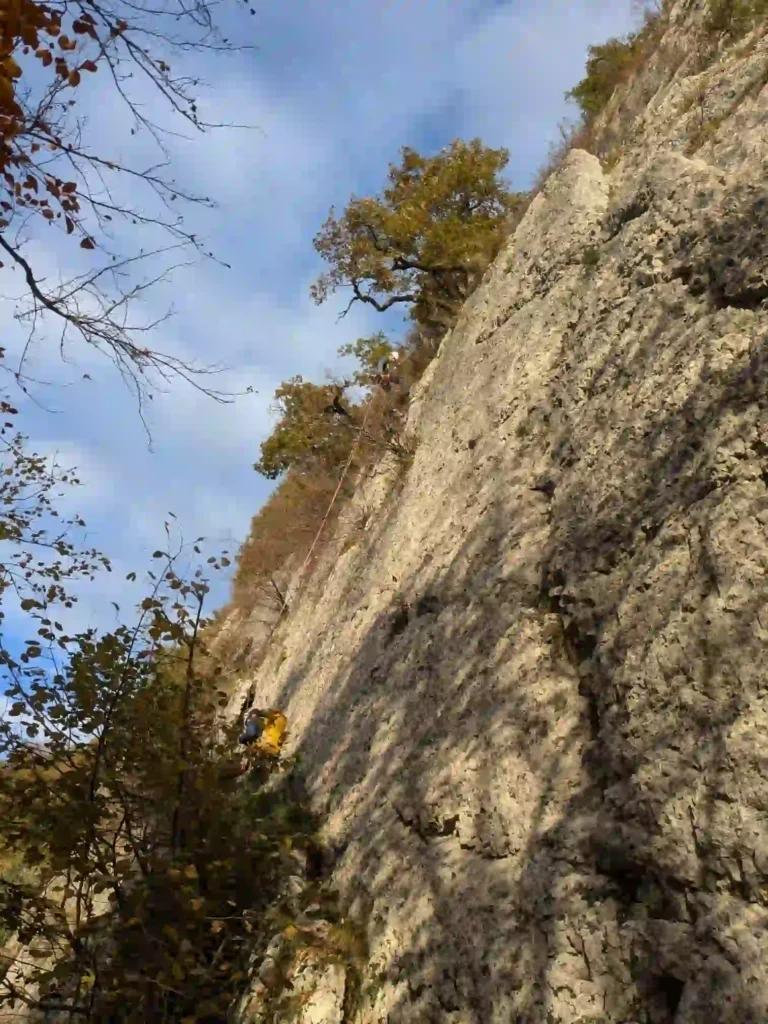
(531,699)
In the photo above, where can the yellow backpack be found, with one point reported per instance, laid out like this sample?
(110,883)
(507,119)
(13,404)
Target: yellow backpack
(273,736)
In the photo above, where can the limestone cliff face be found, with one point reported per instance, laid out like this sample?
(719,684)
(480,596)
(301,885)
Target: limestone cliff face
(531,700)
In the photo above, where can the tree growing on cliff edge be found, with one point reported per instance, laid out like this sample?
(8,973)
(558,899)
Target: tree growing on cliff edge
(310,431)
(426,239)
(60,184)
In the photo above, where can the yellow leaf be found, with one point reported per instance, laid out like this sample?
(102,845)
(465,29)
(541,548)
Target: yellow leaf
(190,871)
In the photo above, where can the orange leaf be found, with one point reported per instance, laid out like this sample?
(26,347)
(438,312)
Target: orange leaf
(74,78)
(68,187)
(89,65)
(45,56)
(87,243)
(10,68)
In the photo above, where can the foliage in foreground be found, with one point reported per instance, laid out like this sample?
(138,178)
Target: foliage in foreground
(116,216)
(135,870)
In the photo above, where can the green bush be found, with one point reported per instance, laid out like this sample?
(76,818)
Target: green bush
(590,257)
(612,64)
(734,18)
(609,65)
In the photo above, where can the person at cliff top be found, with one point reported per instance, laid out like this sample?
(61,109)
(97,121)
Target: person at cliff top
(385,376)
(266,729)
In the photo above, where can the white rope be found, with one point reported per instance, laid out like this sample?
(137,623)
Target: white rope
(300,573)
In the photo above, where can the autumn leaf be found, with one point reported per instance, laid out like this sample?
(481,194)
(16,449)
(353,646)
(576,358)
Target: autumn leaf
(10,68)
(87,243)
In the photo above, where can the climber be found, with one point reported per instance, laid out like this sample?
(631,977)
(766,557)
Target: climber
(384,375)
(265,730)
(253,726)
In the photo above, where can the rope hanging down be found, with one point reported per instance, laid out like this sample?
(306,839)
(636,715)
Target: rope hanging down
(348,463)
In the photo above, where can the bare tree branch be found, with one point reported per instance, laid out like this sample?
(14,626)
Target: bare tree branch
(381,307)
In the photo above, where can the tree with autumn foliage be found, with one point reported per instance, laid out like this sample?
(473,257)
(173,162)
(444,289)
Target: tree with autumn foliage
(426,239)
(314,427)
(56,177)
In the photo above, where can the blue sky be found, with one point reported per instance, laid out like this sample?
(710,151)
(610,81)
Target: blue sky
(332,90)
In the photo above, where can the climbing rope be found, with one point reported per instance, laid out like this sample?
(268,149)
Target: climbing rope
(361,430)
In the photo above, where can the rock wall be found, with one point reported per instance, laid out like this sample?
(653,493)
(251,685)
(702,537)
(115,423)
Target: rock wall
(531,701)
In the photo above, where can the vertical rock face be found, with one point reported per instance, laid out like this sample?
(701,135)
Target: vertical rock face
(532,702)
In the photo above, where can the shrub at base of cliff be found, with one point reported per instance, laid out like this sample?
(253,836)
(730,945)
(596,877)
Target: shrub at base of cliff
(312,966)
(136,869)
